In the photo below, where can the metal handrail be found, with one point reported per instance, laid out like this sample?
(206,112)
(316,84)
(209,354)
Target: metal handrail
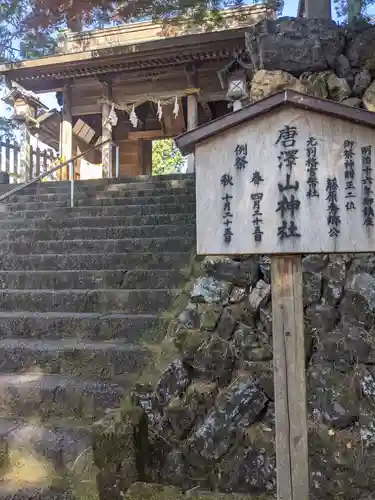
(64,164)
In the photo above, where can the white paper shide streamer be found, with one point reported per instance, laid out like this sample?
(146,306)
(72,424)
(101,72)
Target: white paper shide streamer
(113,118)
(133,117)
(160,111)
(176,108)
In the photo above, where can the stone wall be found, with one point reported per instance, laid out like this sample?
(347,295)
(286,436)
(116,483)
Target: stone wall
(315,57)
(207,423)
(202,425)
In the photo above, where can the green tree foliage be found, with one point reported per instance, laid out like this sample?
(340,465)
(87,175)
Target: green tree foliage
(353,10)
(166,158)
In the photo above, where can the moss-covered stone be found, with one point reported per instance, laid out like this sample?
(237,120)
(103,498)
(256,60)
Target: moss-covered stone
(209,316)
(118,445)
(144,491)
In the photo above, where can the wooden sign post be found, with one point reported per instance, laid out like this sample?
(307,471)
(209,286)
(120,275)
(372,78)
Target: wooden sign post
(287,176)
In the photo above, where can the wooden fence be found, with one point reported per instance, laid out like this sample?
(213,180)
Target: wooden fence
(10,161)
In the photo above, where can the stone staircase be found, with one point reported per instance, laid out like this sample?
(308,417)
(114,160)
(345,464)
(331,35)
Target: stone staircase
(80,291)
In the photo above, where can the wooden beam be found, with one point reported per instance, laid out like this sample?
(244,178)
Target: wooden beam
(106,129)
(289,378)
(86,109)
(192,122)
(146,134)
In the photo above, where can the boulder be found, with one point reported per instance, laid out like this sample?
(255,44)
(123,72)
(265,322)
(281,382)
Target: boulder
(259,296)
(358,303)
(321,318)
(314,263)
(352,102)
(265,83)
(241,273)
(343,68)
(251,345)
(334,276)
(265,268)
(172,383)
(312,288)
(295,45)
(360,49)
(362,263)
(227,324)
(362,81)
(210,290)
(369,98)
(214,360)
(346,345)
(237,408)
(179,418)
(250,470)
(338,88)
(333,396)
(317,83)
(209,316)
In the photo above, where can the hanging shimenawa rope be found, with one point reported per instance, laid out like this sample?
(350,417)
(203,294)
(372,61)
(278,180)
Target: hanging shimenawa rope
(131,107)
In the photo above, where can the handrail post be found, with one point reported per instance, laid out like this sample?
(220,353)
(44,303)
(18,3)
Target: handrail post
(71,184)
(117,161)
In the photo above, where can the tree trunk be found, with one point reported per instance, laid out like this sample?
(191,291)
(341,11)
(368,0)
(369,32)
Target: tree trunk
(354,10)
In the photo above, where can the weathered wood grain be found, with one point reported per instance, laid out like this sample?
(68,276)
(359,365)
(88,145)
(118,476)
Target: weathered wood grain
(216,157)
(289,379)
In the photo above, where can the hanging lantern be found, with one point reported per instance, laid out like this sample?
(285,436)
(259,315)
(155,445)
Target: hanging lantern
(21,109)
(236,86)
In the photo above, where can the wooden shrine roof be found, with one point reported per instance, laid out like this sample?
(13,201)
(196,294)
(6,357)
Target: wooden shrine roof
(187,142)
(130,54)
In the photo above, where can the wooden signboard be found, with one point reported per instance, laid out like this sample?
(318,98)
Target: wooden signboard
(288,182)
(286,176)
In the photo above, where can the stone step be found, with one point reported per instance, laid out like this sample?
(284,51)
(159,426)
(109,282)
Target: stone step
(10,492)
(25,197)
(45,396)
(124,210)
(65,280)
(94,261)
(88,326)
(100,301)
(109,186)
(39,458)
(102,202)
(114,361)
(98,233)
(78,246)
(102,221)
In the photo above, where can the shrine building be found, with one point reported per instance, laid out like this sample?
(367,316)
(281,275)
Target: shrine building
(134,84)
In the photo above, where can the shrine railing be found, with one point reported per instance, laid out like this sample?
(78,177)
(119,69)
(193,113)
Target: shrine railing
(69,163)
(40,161)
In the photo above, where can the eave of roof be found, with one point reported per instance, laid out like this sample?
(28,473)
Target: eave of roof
(106,59)
(187,142)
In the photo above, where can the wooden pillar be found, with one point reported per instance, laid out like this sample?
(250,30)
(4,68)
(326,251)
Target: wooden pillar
(289,378)
(106,129)
(192,122)
(318,9)
(25,157)
(66,149)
